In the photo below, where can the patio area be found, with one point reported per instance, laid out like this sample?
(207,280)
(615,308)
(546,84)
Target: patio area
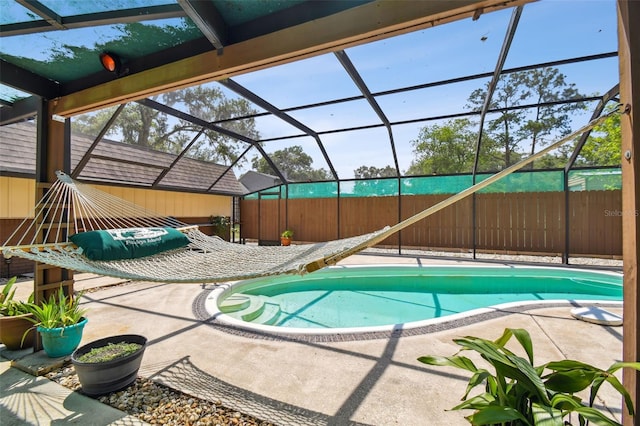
(375,382)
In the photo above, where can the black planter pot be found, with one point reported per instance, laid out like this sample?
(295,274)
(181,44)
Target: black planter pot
(100,378)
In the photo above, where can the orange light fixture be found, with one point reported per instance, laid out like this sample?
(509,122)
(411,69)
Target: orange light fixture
(110,62)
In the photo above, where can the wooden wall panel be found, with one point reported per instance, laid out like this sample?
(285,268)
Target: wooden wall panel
(17,197)
(171,203)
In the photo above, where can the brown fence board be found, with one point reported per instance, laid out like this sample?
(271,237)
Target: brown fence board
(313,219)
(505,222)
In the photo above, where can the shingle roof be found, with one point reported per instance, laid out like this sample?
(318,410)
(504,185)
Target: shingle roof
(116,162)
(255,181)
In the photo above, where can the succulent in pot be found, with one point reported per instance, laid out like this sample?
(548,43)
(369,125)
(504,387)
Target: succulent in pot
(14,323)
(109,364)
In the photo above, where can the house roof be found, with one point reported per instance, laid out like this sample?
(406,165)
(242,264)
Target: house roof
(117,162)
(255,181)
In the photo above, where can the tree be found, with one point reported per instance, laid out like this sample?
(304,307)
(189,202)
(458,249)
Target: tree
(370,172)
(140,125)
(512,128)
(450,148)
(602,148)
(293,163)
(548,85)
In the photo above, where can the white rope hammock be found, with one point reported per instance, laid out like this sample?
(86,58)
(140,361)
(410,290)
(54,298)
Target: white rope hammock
(71,205)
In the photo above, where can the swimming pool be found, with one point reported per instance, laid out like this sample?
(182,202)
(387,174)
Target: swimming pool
(372,298)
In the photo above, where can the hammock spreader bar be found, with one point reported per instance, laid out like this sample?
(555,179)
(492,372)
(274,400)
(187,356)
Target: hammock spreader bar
(207,259)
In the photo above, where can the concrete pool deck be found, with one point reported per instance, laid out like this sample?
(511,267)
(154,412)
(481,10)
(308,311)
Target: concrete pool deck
(375,382)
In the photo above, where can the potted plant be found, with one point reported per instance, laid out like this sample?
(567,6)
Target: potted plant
(285,237)
(221,226)
(235,232)
(14,322)
(519,393)
(60,321)
(109,364)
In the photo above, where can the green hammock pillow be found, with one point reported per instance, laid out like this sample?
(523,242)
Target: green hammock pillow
(128,243)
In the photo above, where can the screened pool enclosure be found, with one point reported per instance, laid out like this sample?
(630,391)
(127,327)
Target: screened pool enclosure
(411,117)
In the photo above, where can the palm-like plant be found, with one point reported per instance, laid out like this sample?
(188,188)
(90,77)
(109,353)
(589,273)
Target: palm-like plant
(518,393)
(59,310)
(10,307)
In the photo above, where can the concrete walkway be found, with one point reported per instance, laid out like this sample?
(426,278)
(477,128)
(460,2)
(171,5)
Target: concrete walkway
(375,382)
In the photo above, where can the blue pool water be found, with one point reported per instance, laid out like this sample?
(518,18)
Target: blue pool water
(372,296)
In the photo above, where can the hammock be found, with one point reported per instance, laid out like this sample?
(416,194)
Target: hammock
(74,206)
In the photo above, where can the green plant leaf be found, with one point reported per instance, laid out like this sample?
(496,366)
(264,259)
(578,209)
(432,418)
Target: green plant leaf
(522,336)
(532,378)
(525,340)
(570,381)
(569,364)
(565,402)
(544,415)
(488,349)
(450,361)
(477,379)
(476,402)
(525,375)
(613,381)
(496,414)
(596,417)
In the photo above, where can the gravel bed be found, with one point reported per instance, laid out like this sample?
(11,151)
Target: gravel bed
(158,404)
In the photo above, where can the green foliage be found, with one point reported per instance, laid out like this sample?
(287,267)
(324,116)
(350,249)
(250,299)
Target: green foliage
(288,233)
(220,221)
(59,310)
(293,163)
(602,148)
(536,126)
(10,307)
(109,352)
(364,172)
(143,126)
(450,148)
(519,393)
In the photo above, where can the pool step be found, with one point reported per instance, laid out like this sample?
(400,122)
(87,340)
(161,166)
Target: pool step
(257,309)
(269,315)
(234,303)
(254,310)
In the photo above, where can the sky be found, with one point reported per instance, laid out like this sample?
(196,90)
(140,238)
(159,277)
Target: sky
(548,30)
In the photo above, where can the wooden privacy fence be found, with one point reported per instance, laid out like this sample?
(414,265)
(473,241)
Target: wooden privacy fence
(516,222)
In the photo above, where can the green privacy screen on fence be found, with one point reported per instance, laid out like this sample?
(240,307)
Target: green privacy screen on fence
(531,181)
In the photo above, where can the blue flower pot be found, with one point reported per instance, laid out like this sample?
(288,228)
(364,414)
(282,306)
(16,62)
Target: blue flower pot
(61,341)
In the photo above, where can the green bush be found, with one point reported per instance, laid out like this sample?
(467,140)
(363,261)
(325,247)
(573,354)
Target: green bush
(519,393)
